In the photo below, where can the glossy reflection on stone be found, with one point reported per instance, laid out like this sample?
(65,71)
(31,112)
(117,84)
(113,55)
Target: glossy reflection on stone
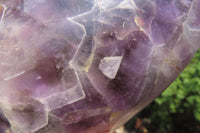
(88,66)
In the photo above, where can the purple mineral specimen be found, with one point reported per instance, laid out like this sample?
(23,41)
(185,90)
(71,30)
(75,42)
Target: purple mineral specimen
(87,66)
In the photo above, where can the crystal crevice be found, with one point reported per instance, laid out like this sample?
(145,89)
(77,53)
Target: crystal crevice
(82,66)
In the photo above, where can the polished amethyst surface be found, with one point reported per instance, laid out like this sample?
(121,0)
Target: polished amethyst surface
(87,66)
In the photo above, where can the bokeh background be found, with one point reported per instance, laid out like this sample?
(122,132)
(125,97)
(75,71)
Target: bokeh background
(177,110)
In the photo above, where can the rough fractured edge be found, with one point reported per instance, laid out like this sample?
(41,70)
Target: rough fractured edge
(73,20)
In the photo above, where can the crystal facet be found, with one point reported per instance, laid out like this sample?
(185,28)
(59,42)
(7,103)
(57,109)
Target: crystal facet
(88,66)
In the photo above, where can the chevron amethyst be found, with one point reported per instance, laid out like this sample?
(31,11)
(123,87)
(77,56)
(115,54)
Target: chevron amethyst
(87,66)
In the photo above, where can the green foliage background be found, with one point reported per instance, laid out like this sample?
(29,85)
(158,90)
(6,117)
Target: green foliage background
(177,110)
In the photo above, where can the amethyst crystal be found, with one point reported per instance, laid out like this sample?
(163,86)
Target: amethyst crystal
(87,66)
